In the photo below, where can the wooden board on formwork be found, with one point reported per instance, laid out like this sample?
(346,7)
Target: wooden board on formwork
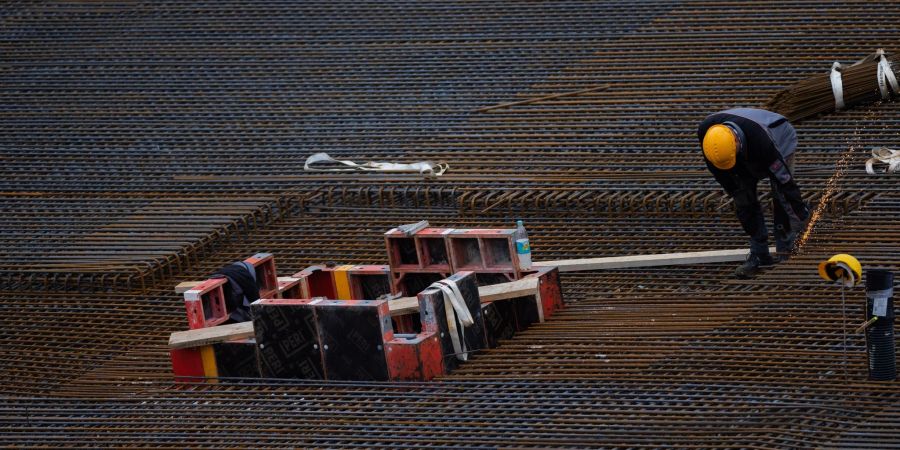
(181,288)
(662,259)
(211,335)
(494,292)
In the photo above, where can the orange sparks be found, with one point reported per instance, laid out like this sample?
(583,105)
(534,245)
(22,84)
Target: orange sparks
(831,187)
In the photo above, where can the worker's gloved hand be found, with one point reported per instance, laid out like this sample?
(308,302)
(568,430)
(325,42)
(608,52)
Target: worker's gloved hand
(803,214)
(803,211)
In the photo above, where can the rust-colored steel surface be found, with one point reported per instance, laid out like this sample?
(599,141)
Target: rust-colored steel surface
(101,242)
(148,143)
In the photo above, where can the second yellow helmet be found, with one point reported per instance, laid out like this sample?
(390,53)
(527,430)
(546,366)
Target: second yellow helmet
(720,146)
(841,267)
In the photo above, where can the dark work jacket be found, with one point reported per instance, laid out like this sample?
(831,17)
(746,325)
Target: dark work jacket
(769,139)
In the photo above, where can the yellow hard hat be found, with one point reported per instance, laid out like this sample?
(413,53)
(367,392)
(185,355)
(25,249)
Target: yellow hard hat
(720,146)
(841,267)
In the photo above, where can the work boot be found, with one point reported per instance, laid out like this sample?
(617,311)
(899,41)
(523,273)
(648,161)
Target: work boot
(751,267)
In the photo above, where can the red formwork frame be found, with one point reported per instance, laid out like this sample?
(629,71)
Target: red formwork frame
(266,277)
(414,357)
(477,250)
(320,281)
(425,260)
(424,243)
(205,304)
(356,274)
(347,280)
(187,364)
(549,289)
(315,281)
(484,251)
(289,287)
(494,251)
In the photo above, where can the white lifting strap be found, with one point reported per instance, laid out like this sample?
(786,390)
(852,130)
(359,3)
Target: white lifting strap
(887,81)
(426,168)
(457,313)
(887,156)
(837,87)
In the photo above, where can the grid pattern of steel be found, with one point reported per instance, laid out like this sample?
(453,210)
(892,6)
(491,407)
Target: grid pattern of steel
(70,242)
(121,121)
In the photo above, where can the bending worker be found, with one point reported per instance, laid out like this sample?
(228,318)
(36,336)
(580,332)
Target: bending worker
(741,147)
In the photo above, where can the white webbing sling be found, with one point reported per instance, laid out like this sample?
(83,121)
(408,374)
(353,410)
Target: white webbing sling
(883,155)
(458,316)
(426,169)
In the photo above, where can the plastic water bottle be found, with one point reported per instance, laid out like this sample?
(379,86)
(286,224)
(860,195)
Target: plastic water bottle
(523,247)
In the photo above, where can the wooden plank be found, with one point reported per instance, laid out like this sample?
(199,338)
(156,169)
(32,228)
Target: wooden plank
(662,259)
(181,288)
(513,289)
(502,291)
(211,335)
(613,262)
(403,305)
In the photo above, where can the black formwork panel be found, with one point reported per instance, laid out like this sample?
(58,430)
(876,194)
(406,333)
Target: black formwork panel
(468,287)
(434,318)
(526,311)
(353,333)
(236,359)
(499,322)
(287,339)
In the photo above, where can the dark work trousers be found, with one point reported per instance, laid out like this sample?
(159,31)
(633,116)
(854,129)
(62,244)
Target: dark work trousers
(783,223)
(749,212)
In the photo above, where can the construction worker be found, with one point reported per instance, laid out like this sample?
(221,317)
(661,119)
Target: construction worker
(742,146)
